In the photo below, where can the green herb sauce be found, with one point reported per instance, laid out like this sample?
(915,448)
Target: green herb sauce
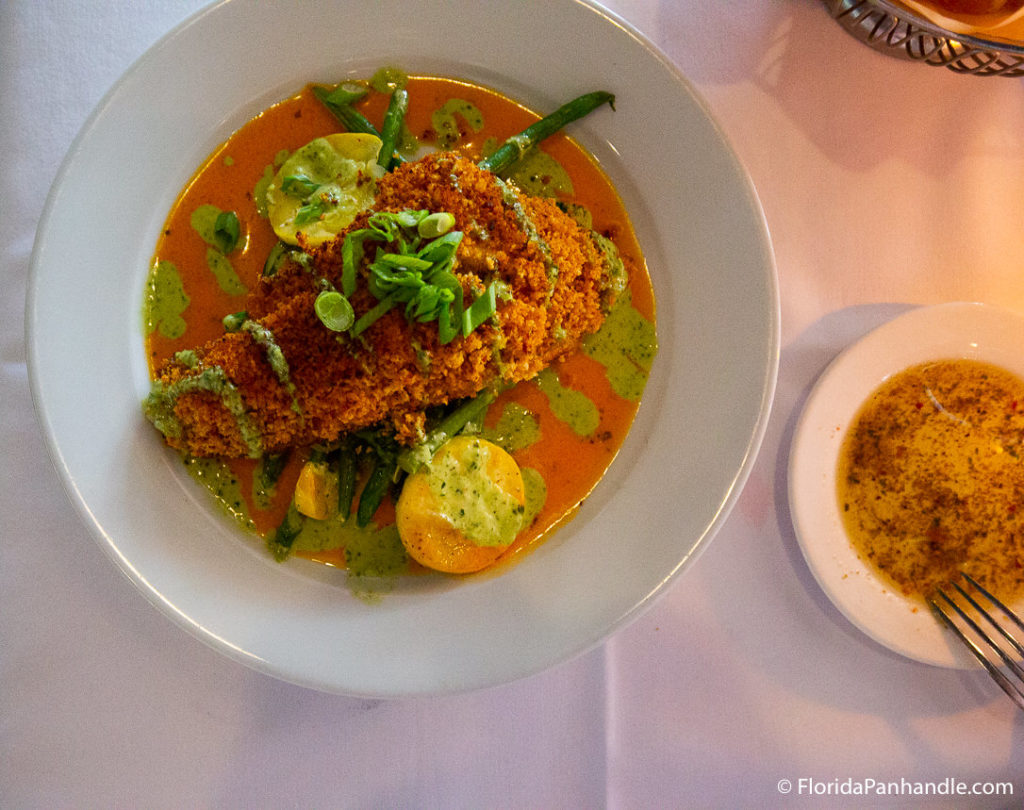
(374,557)
(374,552)
(625,345)
(618,278)
(540,175)
(165,301)
(388,79)
(536,493)
(203,221)
(574,408)
(224,272)
(187,357)
(517,428)
(259,191)
(264,338)
(470,501)
(159,405)
(215,476)
(369,552)
(446,126)
(529,227)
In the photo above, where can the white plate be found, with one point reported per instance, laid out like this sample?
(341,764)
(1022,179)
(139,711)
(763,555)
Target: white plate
(677,475)
(946,331)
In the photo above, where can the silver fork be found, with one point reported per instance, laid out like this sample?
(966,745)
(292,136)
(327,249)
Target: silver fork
(964,615)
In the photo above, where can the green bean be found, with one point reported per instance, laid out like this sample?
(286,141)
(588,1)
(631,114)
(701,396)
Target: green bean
(391,128)
(516,146)
(280,543)
(271,468)
(371,316)
(348,92)
(353,120)
(275,258)
(346,479)
(376,487)
(471,410)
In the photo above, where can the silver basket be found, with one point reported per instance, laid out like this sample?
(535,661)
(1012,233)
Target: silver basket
(895,31)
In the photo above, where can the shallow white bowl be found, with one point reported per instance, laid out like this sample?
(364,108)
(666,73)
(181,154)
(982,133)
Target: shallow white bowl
(947,331)
(676,478)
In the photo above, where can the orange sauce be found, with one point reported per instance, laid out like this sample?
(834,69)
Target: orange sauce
(570,465)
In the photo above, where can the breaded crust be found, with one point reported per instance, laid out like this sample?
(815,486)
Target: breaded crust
(560,284)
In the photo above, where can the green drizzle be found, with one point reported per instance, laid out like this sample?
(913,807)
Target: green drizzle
(374,552)
(446,126)
(224,272)
(517,428)
(215,476)
(618,278)
(536,493)
(540,175)
(625,345)
(219,229)
(165,301)
(264,338)
(159,405)
(574,408)
(259,191)
(529,227)
(470,500)
(388,79)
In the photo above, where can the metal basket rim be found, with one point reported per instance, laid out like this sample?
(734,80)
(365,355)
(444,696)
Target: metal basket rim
(978,43)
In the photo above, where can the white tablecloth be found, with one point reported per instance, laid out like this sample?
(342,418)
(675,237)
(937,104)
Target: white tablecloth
(885,185)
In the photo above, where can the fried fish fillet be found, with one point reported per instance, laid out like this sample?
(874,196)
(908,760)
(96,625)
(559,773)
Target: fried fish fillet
(285,380)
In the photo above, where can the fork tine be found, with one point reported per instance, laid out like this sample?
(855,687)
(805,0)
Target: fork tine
(1012,690)
(1006,611)
(1002,630)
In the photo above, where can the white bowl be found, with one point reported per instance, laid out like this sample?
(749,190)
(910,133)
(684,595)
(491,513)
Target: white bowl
(676,477)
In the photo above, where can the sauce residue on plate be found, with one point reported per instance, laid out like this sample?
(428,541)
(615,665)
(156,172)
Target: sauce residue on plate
(931,478)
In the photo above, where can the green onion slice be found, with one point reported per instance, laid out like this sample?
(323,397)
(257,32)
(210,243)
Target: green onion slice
(334,310)
(298,186)
(480,310)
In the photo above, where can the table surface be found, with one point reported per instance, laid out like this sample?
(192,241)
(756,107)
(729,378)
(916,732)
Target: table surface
(885,185)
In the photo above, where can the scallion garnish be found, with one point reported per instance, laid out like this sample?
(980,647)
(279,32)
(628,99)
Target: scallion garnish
(480,310)
(310,212)
(334,310)
(298,186)
(412,266)
(226,231)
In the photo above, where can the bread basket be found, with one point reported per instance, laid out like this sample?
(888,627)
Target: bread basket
(892,29)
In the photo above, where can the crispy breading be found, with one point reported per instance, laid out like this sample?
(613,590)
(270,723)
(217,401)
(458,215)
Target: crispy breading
(559,281)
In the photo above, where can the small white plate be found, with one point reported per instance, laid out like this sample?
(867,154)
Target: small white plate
(676,477)
(947,331)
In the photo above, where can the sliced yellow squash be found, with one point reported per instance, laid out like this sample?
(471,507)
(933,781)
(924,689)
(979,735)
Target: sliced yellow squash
(323,186)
